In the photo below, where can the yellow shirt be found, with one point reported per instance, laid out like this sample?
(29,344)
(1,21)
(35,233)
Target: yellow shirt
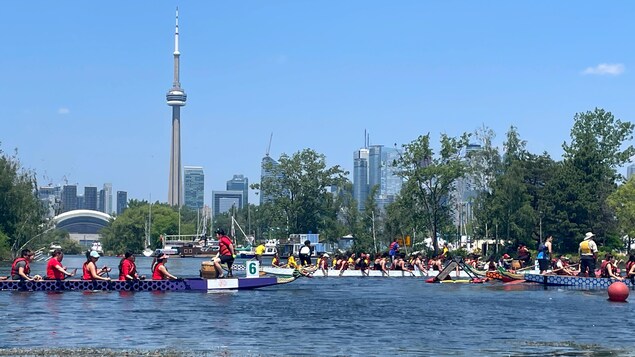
(291,262)
(260,249)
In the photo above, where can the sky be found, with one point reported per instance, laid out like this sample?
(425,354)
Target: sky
(84,83)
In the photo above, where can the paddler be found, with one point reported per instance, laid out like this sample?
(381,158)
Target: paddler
(54,268)
(275,262)
(128,268)
(90,271)
(159,271)
(20,268)
(260,250)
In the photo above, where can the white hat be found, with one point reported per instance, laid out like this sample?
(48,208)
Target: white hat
(326,255)
(588,235)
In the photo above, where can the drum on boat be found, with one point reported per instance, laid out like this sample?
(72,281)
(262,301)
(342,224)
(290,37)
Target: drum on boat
(207,270)
(515,264)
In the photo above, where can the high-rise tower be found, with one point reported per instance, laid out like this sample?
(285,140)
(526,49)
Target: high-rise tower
(176,99)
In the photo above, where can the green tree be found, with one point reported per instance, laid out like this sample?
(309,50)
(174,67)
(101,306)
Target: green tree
(430,179)
(623,202)
(21,214)
(299,187)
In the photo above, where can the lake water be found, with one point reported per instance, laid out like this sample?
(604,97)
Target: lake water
(319,316)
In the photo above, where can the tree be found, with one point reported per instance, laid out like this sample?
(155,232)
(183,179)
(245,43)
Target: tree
(589,175)
(623,202)
(298,187)
(430,179)
(21,214)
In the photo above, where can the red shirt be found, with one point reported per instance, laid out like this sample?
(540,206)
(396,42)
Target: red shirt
(127,268)
(224,244)
(52,272)
(157,274)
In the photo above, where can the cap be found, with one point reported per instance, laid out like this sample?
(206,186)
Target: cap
(94,254)
(220,231)
(326,255)
(505,255)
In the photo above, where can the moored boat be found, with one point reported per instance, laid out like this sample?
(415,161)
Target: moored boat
(574,281)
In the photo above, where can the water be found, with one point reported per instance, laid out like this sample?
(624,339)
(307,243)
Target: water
(320,316)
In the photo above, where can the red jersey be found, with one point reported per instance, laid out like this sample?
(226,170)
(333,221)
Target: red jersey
(51,270)
(127,268)
(156,273)
(224,244)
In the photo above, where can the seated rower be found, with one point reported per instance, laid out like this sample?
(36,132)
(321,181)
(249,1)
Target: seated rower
(562,267)
(159,271)
(323,264)
(128,268)
(275,262)
(90,271)
(418,264)
(54,268)
(610,269)
(630,266)
(291,263)
(20,268)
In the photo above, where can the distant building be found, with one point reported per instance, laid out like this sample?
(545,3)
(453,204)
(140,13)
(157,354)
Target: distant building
(80,201)
(90,198)
(194,186)
(266,172)
(375,166)
(83,226)
(630,171)
(223,201)
(105,204)
(50,197)
(122,201)
(240,183)
(360,177)
(69,198)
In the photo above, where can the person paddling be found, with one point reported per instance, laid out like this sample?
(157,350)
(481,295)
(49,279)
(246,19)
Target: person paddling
(128,268)
(159,271)
(90,271)
(20,269)
(54,268)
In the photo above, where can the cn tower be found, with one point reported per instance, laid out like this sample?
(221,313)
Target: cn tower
(176,99)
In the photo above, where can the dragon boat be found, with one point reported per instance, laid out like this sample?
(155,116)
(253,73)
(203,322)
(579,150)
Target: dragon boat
(575,281)
(331,273)
(184,284)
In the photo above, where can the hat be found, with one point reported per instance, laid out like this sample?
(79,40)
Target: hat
(506,256)
(326,255)
(94,254)
(588,235)
(162,256)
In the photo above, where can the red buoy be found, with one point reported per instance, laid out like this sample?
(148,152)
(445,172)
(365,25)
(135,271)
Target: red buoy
(618,291)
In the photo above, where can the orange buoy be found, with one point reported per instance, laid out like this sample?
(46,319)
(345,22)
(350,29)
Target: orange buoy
(618,291)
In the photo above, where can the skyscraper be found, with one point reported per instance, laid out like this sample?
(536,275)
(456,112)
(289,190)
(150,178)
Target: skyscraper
(107,198)
(176,98)
(360,177)
(194,184)
(240,183)
(122,201)
(69,198)
(223,201)
(90,198)
(267,166)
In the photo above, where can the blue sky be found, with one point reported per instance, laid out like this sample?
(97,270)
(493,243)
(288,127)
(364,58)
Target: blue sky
(84,83)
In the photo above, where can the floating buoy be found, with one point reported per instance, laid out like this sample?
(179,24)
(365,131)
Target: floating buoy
(618,291)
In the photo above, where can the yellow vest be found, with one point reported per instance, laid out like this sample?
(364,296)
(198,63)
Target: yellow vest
(584,248)
(260,249)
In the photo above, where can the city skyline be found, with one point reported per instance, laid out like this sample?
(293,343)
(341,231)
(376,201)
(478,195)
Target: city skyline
(429,67)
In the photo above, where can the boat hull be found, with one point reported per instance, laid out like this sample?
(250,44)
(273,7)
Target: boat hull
(358,273)
(188,284)
(574,281)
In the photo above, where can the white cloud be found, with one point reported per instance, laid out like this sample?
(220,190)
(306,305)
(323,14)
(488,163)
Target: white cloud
(63,111)
(613,69)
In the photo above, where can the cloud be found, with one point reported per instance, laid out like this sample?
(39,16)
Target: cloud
(63,111)
(613,69)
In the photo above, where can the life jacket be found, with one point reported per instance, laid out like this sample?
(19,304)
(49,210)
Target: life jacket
(629,265)
(14,268)
(585,249)
(275,261)
(156,273)
(605,270)
(85,272)
(223,246)
(393,245)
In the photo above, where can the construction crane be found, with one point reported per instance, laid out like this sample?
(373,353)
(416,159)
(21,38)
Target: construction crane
(269,146)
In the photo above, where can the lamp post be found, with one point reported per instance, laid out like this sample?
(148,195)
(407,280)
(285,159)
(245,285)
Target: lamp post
(540,226)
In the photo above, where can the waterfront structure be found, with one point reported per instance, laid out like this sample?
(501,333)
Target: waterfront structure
(90,198)
(194,185)
(122,201)
(82,225)
(176,98)
(69,198)
(266,171)
(630,171)
(224,201)
(240,183)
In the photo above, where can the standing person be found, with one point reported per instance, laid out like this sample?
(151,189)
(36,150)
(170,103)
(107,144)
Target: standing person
(305,254)
(90,271)
(54,268)
(159,271)
(226,253)
(394,249)
(544,255)
(260,250)
(20,269)
(588,249)
(128,268)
